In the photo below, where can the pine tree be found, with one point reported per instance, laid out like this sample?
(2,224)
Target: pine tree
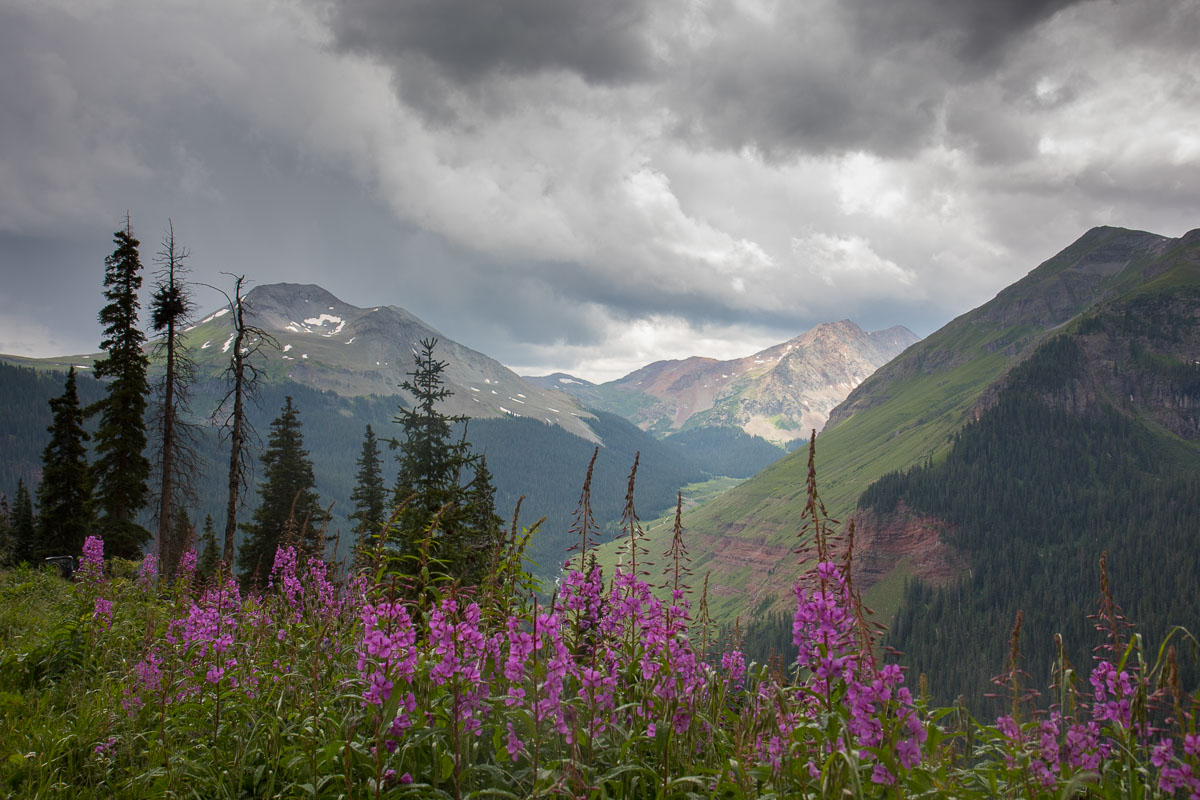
(24,525)
(431,472)
(64,496)
(210,558)
(288,504)
(176,455)
(370,495)
(121,469)
(482,529)
(8,539)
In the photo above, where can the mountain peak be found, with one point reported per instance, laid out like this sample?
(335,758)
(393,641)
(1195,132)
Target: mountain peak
(331,345)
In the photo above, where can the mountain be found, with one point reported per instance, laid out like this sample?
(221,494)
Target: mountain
(343,366)
(330,345)
(961,381)
(558,380)
(779,394)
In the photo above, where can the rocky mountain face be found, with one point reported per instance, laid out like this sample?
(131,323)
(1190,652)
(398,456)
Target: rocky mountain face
(326,344)
(780,394)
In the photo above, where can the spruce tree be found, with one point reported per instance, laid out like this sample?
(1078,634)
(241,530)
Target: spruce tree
(482,530)
(24,525)
(122,469)
(8,539)
(210,556)
(288,504)
(64,496)
(370,495)
(432,467)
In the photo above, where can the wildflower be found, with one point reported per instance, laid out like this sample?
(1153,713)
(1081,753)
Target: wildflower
(187,564)
(102,611)
(148,571)
(91,565)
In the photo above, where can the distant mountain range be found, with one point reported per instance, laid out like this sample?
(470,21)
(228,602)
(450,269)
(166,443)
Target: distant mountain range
(779,394)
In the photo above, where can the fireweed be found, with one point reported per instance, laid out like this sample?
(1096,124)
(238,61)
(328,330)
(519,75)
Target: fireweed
(330,687)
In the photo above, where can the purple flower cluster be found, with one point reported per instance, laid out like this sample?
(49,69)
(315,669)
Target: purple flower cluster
(878,708)
(91,565)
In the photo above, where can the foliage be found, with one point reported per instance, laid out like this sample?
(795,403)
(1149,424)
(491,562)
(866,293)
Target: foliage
(1034,492)
(124,687)
(121,468)
(64,496)
(439,508)
(288,509)
(24,526)
(370,494)
(727,451)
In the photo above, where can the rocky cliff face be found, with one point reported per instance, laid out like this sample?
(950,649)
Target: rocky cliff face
(780,394)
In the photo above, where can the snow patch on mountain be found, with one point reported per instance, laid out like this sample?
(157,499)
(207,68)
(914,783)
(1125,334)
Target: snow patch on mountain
(322,320)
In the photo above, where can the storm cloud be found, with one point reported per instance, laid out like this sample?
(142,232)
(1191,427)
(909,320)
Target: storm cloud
(589,186)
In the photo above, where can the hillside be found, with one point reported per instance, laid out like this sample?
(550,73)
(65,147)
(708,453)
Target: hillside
(908,413)
(778,394)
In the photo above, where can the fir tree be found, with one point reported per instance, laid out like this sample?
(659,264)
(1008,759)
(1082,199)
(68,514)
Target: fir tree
(370,495)
(121,469)
(482,531)
(24,525)
(65,493)
(431,472)
(288,504)
(210,558)
(8,541)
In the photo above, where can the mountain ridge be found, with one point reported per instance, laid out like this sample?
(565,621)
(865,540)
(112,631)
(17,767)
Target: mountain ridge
(779,393)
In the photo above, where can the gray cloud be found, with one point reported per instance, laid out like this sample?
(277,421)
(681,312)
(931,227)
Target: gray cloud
(603,42)
(591,185)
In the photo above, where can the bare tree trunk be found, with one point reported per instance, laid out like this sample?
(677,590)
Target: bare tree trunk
(237,438)
(244,375)
(176,457)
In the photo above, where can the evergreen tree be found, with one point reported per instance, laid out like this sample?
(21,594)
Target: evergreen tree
(210,558)
(8,539)
(24,525)
(431,472)
(483,526)
(122,469)
(369,496)
(288,504)
(65,493)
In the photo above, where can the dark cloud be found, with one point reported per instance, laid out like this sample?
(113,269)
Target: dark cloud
(604,41)
(974,32)
(865,75)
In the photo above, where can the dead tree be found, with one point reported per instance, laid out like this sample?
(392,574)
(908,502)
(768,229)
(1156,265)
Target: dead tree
(171,307)
(242,376)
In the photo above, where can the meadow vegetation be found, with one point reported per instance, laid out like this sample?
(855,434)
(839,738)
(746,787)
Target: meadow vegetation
(395,681)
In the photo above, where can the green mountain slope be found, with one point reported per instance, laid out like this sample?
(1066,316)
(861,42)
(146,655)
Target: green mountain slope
(1091,445)
(906,414)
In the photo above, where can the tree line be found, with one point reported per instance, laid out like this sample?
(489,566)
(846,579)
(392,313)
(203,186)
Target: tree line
(135,447)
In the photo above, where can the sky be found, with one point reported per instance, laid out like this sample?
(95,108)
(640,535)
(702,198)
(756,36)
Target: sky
(588,185)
